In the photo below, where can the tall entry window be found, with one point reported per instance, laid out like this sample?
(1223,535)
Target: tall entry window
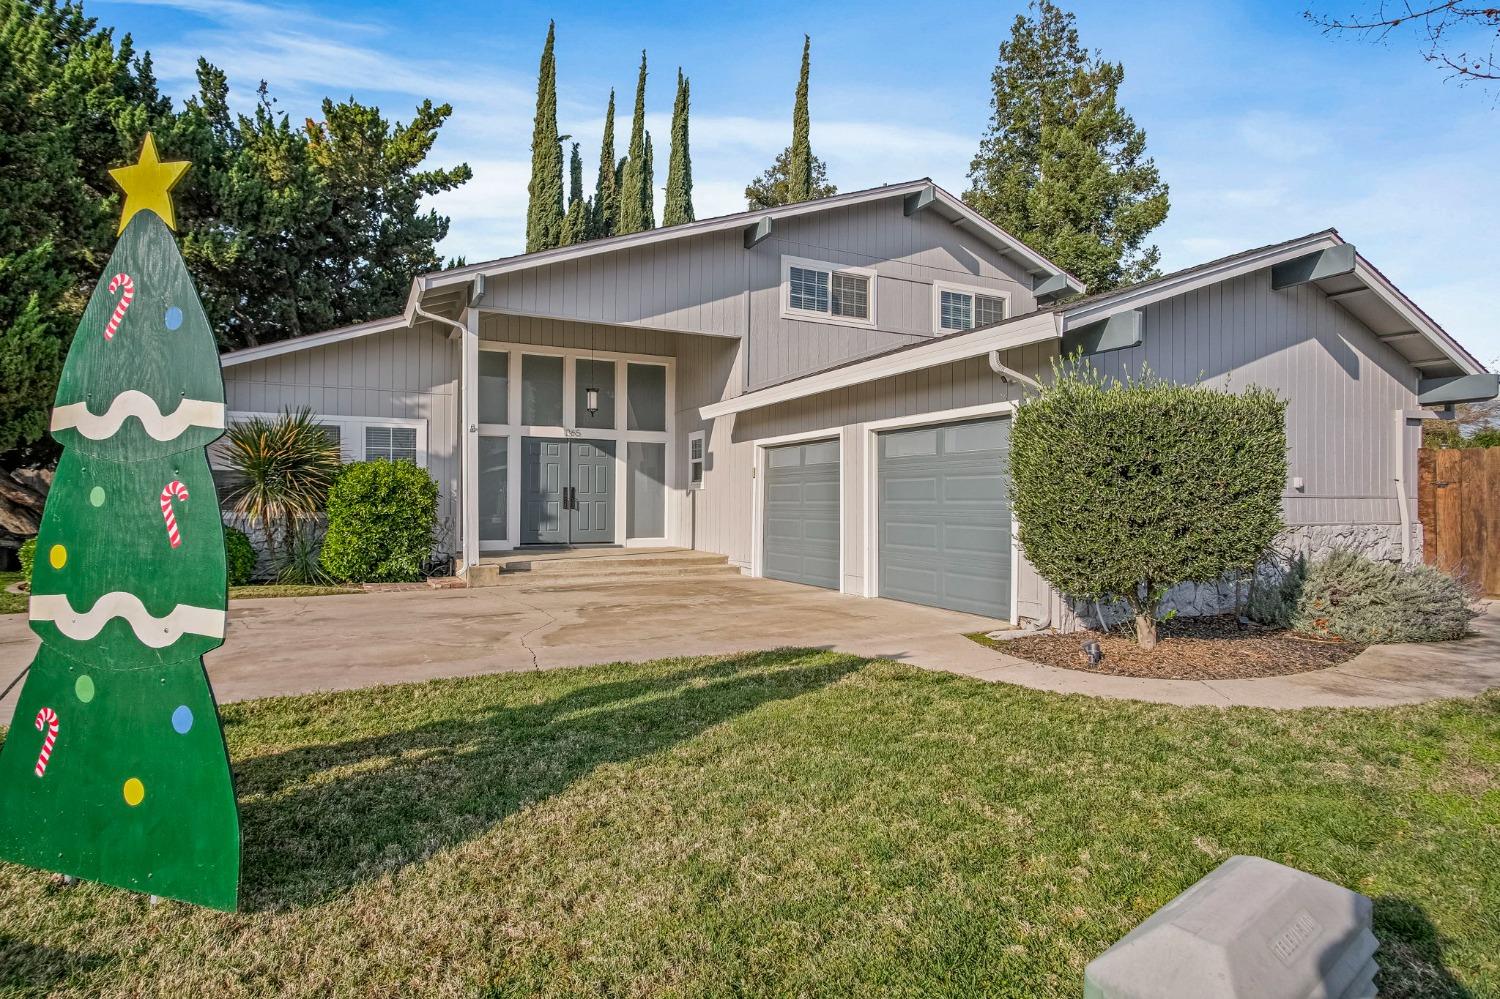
(541,390)
(646,392)
(595,382)
(494,386)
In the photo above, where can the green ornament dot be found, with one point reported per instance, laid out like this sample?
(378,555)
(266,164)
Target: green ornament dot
(96,496)
(84,688)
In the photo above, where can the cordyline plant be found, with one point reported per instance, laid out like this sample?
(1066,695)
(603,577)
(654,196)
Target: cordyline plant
(1123,489)
(283,467)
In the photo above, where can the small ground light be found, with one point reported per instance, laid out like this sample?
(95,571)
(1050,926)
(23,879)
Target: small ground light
(1092,649)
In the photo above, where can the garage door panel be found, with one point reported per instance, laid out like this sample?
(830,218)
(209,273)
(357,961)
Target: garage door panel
(944,518)
(800,539)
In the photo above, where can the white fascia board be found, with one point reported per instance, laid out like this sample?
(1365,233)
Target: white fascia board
(1148,294)
(1010,244)
(1034,328)
(249,354)
(1403,306)
(439,279)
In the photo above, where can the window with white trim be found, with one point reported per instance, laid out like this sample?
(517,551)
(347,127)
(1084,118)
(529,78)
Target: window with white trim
(360,438)
(697,458)
(827,292)
(966,308)
(394,443)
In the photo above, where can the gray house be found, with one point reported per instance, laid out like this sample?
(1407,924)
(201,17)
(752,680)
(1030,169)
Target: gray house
(822,391)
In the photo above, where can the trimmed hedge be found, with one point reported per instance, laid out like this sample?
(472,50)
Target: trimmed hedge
(1123,490)
(27,554)
(1358,599)
(381,515)
(239,556)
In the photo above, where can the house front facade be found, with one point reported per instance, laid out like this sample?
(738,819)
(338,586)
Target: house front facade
(822,392)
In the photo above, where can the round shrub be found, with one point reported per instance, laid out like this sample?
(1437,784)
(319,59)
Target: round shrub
(239,556)
(381,516)
(1123,489)
(27,554)
(1358,599)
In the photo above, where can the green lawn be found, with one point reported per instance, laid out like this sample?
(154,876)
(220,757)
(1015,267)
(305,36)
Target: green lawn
(15,603)
(11,603)
(788,823)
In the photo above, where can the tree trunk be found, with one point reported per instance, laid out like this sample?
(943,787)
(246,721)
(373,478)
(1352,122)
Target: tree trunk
(1145,629)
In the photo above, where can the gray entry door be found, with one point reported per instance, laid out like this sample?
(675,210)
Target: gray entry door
(592,518)
(567,492)
(801,527)
(945,537)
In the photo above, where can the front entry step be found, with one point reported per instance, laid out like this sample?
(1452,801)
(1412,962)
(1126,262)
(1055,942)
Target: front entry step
(592,564)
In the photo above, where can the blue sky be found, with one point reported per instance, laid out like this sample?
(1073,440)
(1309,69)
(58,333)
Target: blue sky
(1264,128)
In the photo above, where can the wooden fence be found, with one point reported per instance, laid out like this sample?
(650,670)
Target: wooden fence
(1458,502)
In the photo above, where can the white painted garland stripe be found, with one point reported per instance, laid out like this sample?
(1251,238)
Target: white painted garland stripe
(131,402)
(156,632)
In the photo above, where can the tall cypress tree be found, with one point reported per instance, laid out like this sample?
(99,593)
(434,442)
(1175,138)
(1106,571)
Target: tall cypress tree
(679,203)
(575,227)
(800,169)
(796,174)
(1062,165)
(605,217)
(648,188)
(544,212)
(634,180)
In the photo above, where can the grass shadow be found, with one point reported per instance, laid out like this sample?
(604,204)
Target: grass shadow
(1411,954)
(319,820)
(28,969)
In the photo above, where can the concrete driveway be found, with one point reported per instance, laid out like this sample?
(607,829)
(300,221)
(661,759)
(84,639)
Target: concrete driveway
(294,646)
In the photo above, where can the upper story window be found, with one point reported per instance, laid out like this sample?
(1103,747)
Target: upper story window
(960,308)
(825,292)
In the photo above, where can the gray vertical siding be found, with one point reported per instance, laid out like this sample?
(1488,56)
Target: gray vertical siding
(1342,383)
(907,253)
(407,374)
(1344,386)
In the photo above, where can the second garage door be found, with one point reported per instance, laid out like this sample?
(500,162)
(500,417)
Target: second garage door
(944,522)
(801,527)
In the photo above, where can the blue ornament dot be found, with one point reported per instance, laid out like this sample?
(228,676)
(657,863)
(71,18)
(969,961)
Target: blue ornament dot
(182,719)
(173,318)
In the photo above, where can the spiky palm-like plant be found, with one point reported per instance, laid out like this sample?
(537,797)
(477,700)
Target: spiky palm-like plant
(283,466)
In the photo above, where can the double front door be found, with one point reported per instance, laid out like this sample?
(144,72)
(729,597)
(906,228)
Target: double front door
(567,491)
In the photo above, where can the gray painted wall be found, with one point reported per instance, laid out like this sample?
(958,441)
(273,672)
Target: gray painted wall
(410,374)
(1342,382)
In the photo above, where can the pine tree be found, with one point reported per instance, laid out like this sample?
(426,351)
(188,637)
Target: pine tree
(125,779)
(605,217)
(1062,166)
(633,180)
(575,227)
(544,211)
(796,174)
(679,203)
(800,170)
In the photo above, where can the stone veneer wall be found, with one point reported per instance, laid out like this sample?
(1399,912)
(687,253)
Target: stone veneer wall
(1377,541)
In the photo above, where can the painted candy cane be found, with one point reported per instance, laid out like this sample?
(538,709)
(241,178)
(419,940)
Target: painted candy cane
(124,303)
(46,720)
(178,490)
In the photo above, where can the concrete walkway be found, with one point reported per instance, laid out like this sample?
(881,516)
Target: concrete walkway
(291,646)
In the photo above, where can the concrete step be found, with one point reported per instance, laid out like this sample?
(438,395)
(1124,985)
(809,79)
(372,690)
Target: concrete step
(614,565)
(549,583)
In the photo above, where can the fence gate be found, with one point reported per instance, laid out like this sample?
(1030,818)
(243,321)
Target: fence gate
(1458,502)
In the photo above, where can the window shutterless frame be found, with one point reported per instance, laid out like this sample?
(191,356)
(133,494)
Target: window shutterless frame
(977,305)
(817,291)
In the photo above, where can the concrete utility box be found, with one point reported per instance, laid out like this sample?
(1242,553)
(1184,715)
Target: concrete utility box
(1250,928)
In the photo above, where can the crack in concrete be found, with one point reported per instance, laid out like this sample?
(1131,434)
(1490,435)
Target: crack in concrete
(523,638)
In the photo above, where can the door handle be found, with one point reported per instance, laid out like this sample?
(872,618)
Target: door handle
(570,497)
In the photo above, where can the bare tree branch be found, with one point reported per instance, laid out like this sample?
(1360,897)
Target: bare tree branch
(1460,35)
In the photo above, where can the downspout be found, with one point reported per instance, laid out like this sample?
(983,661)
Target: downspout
(1043,623)
(461,560)
(1403,501)
(1011,374)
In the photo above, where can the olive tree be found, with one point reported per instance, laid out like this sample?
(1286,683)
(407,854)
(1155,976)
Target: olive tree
(1124,488)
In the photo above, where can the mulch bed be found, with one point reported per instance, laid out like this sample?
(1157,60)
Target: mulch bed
(1199,648)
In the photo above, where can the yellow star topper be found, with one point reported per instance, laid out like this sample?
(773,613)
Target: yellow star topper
(148,185)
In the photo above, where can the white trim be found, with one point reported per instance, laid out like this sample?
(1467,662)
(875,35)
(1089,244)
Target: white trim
(347,452)
(806,316)
(938,287)
(1409,311)
(699,437)
(1019,332)
(468,432)
(251,354)
(758,494)
(871,540)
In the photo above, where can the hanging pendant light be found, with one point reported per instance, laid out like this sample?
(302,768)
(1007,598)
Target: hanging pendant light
(591,394)
(591,400)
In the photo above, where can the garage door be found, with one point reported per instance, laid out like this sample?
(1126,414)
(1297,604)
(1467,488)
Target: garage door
(945,516)
(801,535)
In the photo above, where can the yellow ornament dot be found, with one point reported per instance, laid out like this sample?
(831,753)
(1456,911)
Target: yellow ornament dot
(59,556)
(135,792)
